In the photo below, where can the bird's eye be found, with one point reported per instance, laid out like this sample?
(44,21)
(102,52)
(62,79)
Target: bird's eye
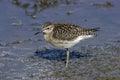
(48,28)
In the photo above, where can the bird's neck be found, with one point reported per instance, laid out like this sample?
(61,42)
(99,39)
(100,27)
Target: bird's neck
(47,36)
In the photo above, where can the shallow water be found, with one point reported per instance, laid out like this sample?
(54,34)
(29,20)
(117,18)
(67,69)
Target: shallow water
(25,56)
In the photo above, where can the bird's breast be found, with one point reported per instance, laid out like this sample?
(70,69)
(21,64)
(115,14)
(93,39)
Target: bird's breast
(65,43)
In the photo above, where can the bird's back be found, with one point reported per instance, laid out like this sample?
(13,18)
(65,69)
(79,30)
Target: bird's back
(64,31)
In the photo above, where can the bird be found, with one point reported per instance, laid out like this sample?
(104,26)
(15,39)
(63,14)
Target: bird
(66,35)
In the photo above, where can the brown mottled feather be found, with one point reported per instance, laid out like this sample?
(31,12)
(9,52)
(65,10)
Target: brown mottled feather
(64,31)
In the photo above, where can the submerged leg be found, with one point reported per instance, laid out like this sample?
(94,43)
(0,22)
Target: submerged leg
(67,58)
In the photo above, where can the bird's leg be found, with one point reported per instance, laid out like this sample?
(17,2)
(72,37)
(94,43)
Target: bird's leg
(67,58)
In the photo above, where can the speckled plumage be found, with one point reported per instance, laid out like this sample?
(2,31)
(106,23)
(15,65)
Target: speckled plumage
(65,35)
(66,31)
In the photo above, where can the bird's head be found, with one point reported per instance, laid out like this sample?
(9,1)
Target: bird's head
(47,27)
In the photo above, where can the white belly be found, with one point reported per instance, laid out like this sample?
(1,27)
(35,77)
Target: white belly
(68,44)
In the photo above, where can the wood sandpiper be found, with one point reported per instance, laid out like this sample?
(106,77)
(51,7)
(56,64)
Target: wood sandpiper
(65,35)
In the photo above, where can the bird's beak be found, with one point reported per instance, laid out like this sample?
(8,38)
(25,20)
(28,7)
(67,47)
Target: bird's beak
(37,33)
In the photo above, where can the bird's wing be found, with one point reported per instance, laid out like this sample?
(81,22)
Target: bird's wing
(66,31)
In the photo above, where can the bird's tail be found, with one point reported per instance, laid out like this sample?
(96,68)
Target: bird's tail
(90,31)
(94,29)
